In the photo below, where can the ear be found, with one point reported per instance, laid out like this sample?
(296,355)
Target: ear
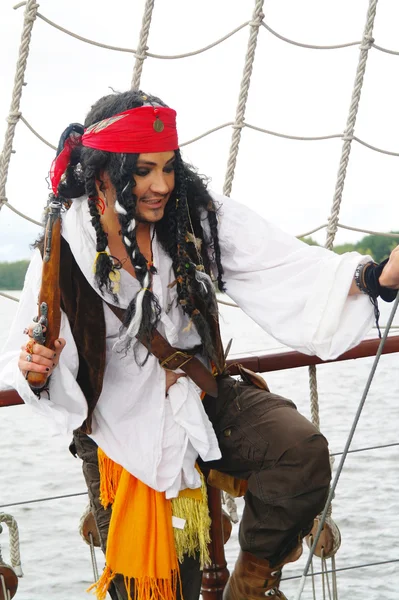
(103,182)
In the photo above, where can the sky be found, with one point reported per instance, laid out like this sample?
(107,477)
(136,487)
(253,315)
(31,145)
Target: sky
(294,90)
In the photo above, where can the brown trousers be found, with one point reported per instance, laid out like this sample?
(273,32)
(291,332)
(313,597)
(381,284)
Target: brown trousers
(265,440)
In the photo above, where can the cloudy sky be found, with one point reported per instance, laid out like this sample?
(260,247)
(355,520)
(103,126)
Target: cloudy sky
(294,90)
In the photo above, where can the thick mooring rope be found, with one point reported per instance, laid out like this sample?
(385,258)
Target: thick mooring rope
(142,47)
(314,397)
(243,96)
(255,23)
(332,227)
(141,53)
(331,232)
(14,114)
(14,543)
(350,125)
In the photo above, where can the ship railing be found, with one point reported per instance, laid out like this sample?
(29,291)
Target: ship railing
(267,363)
(271,362)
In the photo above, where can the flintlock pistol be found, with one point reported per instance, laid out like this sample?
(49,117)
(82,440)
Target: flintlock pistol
(48,321)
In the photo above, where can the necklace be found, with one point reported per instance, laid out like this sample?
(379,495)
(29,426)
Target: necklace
(119,262)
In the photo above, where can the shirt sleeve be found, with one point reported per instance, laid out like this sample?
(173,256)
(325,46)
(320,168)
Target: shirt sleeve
(297,293)
(65,403)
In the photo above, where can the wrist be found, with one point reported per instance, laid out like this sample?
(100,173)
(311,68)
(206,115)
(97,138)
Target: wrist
(360,278)
(372,279)
(374,283)
(384,279)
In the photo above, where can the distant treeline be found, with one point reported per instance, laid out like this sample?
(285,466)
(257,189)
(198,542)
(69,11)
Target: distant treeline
(379,247)
(12,274)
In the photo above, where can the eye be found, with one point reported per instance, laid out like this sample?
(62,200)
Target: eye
(169,169)
(141,172)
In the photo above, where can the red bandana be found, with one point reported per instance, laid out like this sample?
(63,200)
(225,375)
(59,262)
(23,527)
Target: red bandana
(143,129)
(61,162)
(138,130)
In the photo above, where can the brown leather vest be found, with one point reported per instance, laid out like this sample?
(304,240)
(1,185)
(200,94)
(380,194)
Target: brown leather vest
(85,312)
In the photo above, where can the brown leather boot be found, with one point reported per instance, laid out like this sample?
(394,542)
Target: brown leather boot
(253,578)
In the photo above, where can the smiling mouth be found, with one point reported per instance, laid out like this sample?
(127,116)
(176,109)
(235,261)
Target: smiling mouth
(152,201)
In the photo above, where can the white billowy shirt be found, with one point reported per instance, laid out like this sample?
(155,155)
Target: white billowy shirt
(295,292)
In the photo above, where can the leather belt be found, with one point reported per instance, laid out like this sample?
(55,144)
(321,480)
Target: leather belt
(171,358)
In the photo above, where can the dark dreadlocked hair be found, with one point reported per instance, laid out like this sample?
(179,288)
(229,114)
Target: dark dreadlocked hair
(179,231)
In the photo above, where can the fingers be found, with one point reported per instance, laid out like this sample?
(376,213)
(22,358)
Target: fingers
(37,350)
(59,345)
(29,330)
(26,366)
(178,375)
(38,358)
(172,377)
(37,361)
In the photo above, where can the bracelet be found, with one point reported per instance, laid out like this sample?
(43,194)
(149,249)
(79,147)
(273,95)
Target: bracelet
(367,280)
(359,278)
(371,280)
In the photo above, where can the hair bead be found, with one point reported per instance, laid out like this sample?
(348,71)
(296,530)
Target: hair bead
(119,208)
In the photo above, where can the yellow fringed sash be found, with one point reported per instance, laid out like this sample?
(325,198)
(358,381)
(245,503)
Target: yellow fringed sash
(192,505)
(142,545)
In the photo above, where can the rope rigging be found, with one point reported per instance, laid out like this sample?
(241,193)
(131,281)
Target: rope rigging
(347,446)
(209,46)
(77,494)
(141,53)
(249,126)
(9,574)
(332,229)
(14,542)
(14,114)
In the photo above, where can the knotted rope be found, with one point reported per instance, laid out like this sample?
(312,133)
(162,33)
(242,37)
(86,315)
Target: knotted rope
(231,507)
(14,543)
(332,228)
(256,22)
(142,46)
(238,125)
(14,114)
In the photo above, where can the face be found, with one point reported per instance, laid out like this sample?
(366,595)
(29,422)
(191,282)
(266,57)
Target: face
(155,181)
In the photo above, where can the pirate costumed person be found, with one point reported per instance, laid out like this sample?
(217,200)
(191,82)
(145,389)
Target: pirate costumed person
(142,240)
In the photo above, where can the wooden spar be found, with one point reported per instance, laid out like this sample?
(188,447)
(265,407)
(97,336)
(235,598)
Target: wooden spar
(216,574)
(270,362)
(10,398)
(291,360)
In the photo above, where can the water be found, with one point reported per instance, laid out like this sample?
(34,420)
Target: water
(56,562)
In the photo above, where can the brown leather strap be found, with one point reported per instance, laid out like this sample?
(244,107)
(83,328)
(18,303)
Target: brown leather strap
(171,358)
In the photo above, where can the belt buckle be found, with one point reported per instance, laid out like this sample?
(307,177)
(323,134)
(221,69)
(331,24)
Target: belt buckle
(178,353)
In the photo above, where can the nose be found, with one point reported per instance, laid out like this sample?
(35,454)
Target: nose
(159,183)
